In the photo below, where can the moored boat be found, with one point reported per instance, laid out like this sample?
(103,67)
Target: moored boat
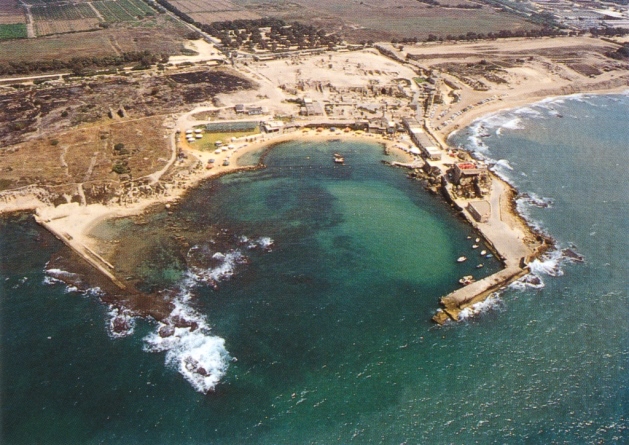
(461,259)
(467,279)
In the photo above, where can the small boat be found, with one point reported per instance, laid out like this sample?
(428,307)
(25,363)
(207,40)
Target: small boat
(480,266)
(467,279)
(489,255)
(461,259)
(475,246)
(483,252)
(339,160)
(469,237)
(477,240)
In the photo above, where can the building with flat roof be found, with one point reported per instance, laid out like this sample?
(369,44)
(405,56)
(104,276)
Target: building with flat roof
(273,126)
(480,210)
(464,172)
(420,138)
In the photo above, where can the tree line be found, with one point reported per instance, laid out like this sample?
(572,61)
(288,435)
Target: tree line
(238,33)
(79,65)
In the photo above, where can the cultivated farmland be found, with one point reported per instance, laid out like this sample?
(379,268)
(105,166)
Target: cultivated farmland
(11,13)
(122,10)
(389,19)
(159,35)
(208,11)
(13,31)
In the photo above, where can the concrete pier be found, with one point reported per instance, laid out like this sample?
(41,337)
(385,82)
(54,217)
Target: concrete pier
(454,302)
(91,257)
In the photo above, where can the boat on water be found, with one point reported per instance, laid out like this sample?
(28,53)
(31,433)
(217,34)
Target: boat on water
(477,240)
(338,159)
(475,246)
(489,255)
(461,259)
(467,279)
(480,266)
(483,252)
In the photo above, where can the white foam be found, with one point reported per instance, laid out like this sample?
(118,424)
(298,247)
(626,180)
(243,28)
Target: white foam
(265,242)
(61,275)
(201,358)
(504,163)
(549,264)
(121,323)
(492,302)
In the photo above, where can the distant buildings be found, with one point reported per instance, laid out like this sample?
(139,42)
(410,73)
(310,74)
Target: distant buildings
(251,111)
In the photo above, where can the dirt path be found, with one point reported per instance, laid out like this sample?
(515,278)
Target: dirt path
(30,30)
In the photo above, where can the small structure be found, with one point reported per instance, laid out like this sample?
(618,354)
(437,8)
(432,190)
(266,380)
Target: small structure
(311,108)
(465,173)
(273,126)
(239,108)
(255,111)
(480,210)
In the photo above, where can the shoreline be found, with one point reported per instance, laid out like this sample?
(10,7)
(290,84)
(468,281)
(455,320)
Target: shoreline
(72,223)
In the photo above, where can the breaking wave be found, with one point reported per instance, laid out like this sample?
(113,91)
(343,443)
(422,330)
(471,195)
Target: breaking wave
(493,302)
(121,322)
(185,335)
(549,265)
(200,357)
(72,281)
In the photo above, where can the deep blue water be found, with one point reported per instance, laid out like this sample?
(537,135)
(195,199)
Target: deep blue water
(331,327)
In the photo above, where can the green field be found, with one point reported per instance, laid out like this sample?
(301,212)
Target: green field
(208,142)
(62,12)
(13,31)
(123,10)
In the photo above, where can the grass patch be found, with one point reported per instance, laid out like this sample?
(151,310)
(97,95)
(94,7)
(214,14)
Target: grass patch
(208,141)
(13,31)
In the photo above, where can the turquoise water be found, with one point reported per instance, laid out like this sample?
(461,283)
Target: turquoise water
(328,331)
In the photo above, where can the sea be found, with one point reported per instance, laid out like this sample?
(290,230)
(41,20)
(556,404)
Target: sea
(301,298)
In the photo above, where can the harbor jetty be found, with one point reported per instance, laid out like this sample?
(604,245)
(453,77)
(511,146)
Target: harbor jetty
(488,204)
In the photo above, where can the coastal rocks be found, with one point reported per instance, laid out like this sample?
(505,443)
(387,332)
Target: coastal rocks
(121,323)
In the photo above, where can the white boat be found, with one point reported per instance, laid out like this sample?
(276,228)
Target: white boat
(477,240)
(483,252)
(480,266)
(461,259)
(467,279)
(489,255)
(475,246)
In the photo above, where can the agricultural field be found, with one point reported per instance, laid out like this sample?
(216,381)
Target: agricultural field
(63,18)
(13,31)
(389,19)
(208,11)
(159,35)
(123,10)
(11,13)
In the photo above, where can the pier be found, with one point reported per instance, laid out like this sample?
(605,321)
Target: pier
(92,258)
